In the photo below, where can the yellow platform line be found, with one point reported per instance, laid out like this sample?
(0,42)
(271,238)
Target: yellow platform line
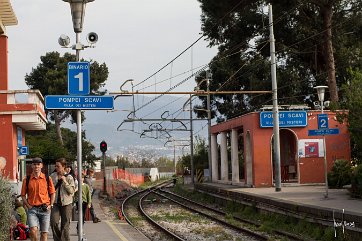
(116,231)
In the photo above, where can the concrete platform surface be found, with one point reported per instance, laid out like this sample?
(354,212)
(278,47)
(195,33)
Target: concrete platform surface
(109,229)
(338,199)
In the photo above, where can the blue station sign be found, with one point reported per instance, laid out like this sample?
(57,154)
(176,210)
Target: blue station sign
(322,132)
(322,121)
(286,119)
(78,78)
(69,102)
(23,150)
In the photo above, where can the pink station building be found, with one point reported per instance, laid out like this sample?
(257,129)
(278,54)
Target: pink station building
(20,110)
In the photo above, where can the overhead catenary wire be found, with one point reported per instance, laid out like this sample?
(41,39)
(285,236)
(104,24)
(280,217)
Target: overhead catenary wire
(185,50)
(239,69)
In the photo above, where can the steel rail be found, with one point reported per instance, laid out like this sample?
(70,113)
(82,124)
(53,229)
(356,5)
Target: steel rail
(132,196)
(165,230)
(240,229)
(283,233)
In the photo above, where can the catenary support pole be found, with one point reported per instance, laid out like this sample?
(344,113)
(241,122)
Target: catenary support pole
(276,138)
(208,77)
(191,144)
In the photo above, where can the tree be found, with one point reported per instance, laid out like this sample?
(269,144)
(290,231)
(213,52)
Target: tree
(6,208)
(352,101)
(50,77)
(313,37)
(123,162)
(45,144)
(200,156)
(164,162)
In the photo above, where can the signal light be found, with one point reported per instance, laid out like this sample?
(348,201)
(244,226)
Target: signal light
(103,146)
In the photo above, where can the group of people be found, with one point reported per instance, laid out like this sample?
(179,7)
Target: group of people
(49,199)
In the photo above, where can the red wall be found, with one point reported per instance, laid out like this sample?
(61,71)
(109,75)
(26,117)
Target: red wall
(311,170)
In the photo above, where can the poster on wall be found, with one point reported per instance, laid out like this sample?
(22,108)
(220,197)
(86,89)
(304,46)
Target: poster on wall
(310,148)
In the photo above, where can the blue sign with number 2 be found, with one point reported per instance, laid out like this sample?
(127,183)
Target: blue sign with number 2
(323,121)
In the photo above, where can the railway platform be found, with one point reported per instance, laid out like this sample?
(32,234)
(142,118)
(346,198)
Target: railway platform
(109,229)
(304,200)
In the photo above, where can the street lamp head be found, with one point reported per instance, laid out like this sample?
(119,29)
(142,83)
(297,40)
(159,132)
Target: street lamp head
(321,89)
(77,8)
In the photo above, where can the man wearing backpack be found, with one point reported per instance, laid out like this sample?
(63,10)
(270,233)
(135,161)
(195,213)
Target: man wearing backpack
(38,194)
(63,201)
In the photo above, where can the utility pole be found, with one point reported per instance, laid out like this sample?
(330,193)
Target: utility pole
(208,78)
(191,144)
(276,138)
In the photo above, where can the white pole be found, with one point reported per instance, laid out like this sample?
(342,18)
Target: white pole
(209,124)
(79,159)
(276,153)
(191,144)
(325,158)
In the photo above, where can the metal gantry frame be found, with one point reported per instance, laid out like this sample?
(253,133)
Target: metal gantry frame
(164,118)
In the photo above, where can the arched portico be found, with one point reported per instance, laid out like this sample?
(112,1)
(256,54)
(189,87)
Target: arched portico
(288,156)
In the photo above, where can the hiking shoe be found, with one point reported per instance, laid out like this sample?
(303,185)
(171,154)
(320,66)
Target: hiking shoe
(96,220)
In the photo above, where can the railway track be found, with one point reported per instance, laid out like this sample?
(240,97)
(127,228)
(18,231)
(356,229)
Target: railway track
(143,212)
(134,214)
(152,211)
(220,215)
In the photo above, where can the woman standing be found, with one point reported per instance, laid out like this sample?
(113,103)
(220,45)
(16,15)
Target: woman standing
(86,198)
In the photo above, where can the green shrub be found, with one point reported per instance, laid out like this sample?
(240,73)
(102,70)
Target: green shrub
(357,181)
(6,207)
(340,174)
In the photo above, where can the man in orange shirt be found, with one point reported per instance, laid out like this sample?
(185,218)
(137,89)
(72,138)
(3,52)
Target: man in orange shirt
(38,195)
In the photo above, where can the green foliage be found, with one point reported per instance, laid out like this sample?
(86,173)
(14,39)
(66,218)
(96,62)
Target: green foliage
(44,144)
(164,162)
(357,181)
(6,207)
(50,77)
(240,31)
(200,156)
(123,162)
(352,104)
(340,174)
(329,234)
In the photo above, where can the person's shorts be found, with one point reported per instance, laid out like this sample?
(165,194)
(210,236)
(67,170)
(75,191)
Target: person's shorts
(38,218)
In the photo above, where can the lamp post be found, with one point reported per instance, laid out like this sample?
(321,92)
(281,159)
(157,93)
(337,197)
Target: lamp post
(321,89)
(78,10)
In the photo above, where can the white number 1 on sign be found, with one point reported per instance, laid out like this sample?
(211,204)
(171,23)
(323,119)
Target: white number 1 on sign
(80,78)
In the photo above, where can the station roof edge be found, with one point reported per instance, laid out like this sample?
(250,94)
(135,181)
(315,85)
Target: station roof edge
(7,15)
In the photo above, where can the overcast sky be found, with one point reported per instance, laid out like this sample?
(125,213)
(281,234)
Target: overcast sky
(136,38)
